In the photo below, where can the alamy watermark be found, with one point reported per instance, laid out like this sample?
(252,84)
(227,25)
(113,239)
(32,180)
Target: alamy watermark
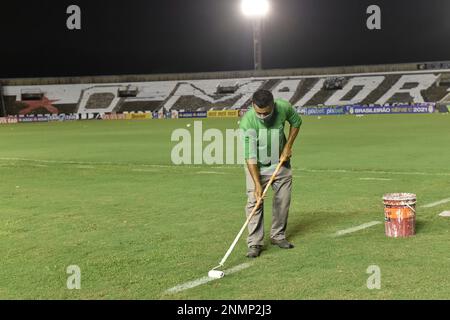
(374,281)
(373,22)
(73,20)
(74,280)
(212,146)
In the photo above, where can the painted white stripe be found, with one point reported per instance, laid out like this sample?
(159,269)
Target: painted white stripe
(443,174)
(198,282)
(169,166)
(376,179)
(88,162)
(210,172)
(434,204)
(376,172)
(445,214)
(357,228)
(85,167)
(144,170)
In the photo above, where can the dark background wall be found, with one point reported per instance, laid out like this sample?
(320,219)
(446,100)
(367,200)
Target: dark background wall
(169,36)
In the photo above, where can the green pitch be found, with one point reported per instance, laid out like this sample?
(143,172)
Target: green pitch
(104,196)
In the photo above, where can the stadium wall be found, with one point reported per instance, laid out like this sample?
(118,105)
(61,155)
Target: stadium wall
(380,88)
(405,67)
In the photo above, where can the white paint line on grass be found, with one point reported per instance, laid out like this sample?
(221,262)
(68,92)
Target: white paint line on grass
(200,281)
(439,174)
(144,170)
(100,163)
(375,179)
(434,204)
(444,214)
(415,173)
(210,172)
(85,167)
(357,228)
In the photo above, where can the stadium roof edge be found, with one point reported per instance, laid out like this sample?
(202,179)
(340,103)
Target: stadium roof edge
(342,70)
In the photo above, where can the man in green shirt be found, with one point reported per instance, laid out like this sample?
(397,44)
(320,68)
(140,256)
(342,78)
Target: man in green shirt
(263,129)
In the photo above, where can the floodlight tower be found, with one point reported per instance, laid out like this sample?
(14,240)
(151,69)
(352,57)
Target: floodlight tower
(256,10)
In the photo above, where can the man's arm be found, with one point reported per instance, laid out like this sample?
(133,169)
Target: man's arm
(287,151)
(251,155)
(254,172)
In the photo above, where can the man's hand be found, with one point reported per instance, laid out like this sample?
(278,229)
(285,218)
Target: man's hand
(258,192)
(287,150)
(254,172)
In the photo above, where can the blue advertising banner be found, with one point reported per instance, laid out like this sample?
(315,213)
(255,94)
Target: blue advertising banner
(31,118)
(321,111)
(64,117)
(419,108)
(47,118)
(195,114)
(398,109)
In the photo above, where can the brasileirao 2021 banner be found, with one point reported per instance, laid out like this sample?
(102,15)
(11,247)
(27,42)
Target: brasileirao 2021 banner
(397,109)
(357,109)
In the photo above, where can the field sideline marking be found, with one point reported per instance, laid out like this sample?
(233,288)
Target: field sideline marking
(144,170)
(376,179)
(446,174)
(84,166)
(100,163)
(357,228)
(210,172)
(200,281)
(376,172)
(434,204)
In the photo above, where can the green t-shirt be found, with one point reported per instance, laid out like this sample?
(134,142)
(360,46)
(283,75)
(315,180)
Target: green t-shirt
(259,135)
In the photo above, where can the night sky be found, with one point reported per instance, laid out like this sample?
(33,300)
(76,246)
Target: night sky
(170,36)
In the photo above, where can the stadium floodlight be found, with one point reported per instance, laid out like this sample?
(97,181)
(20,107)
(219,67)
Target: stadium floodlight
(256,10)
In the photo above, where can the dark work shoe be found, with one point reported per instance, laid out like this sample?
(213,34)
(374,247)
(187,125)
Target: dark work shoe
(284,244)
(254,251)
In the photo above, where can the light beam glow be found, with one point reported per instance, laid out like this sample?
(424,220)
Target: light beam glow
(255,8)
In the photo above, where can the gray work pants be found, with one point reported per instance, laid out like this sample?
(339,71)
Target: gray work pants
(281,187)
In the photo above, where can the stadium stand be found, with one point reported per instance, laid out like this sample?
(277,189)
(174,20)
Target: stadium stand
(136,106)
(193,103)
(31,94)
(127,91)
(353,92)
(306,86)
(99,100)
(320,95)
(202,93)
(334,83)
(434,65)
(227,88)
(378,92)
(438,90)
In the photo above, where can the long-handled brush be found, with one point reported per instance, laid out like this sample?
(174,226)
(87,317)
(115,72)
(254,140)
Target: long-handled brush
(217,274)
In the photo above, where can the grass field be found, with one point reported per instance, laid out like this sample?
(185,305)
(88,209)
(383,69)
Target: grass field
(104,195)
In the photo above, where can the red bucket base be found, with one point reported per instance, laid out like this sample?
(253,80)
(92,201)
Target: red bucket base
(400,214)
(400,227)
